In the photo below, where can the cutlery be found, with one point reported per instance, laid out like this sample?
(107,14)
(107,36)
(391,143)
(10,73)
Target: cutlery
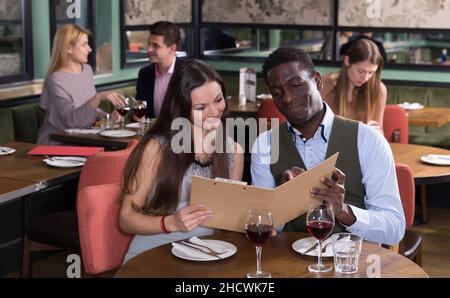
(206,251)
(204,246)
(327,242)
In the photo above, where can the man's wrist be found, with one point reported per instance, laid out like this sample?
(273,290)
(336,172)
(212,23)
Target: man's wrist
(347,217)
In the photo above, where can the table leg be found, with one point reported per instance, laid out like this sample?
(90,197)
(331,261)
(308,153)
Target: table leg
(423,203)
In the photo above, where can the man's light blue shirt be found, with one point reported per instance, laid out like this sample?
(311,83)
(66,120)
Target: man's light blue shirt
(384,220)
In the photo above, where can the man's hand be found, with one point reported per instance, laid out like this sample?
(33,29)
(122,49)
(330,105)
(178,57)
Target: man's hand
(334,195)
(290,174)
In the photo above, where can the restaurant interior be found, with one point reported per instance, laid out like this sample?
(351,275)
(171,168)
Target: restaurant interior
(37,196)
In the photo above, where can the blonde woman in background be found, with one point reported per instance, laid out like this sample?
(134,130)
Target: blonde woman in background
(356,92)
(69,98)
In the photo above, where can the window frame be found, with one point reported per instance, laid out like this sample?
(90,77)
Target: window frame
(27,48)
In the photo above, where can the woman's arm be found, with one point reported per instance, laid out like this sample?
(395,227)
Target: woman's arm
(133,221)
(115,98)
(383,100)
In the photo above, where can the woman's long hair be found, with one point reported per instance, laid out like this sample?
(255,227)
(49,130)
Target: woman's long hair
(66,36)
(177,104)
(367,96)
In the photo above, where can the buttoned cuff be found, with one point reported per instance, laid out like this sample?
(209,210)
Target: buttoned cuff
(362,222)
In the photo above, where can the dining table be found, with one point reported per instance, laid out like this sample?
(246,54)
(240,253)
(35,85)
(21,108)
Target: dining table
(429,116)
(278,258)
(424,173)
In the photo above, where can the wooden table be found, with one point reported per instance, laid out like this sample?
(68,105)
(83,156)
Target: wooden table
(249,110)
(95,140)
(12,189)
(278,258)
(21,167)
(429,116)
(424,173)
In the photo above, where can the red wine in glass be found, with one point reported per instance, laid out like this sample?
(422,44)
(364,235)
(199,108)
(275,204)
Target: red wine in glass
(123,110)
(320,229)
(258,234)
(139,112)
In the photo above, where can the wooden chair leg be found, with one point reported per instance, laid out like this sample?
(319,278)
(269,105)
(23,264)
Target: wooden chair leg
(26,252)
(423,203)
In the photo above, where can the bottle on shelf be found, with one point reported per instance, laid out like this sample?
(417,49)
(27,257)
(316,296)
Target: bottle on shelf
(443,58)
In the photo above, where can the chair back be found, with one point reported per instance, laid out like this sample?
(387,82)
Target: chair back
(105,167)
(406,187)
(395,124)
(103,244)
(269,110)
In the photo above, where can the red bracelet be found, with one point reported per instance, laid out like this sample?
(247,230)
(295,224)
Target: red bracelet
(163,226)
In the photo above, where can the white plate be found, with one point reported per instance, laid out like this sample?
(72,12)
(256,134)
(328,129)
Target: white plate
(132,125)
(120,133)
(226,245)
(411,106)
(6,150)
(436,159)
(308,242)
(65,161)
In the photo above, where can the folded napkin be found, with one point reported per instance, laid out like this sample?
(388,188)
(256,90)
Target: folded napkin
(311,241)
(198,254)
(83,130)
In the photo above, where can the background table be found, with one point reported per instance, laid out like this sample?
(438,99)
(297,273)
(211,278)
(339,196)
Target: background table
(424,173)
(429,116)
(278,258)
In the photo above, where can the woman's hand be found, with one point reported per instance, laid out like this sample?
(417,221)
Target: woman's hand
(117,99)
(188,218)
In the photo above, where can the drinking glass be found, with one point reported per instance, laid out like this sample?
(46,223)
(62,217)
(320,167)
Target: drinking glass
(320,223)
(139,110)
(258,227)
(123,112)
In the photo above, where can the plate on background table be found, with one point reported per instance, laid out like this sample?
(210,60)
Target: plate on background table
(6,150)
(436,159)
(120,133)
(191,254)
(305,243)
(65,161)
(411,106)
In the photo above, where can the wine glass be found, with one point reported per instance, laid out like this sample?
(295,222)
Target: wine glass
(139,110)
(123,111)
(320,223)
(258,227)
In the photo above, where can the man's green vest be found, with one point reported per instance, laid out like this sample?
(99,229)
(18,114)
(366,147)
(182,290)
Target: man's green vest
(343,139)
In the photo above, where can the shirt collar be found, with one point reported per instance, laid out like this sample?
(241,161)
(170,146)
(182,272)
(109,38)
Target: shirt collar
(171,68)
(324,129)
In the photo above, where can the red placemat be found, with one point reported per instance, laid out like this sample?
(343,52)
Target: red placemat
(65,150)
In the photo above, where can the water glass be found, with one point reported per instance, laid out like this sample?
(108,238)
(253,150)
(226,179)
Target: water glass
(346,252)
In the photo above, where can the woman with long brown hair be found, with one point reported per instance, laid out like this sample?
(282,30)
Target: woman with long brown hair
(69,98)
(158,174)
(356,92)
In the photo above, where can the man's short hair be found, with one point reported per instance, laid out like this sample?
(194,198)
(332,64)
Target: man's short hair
(285,55)
(169,30)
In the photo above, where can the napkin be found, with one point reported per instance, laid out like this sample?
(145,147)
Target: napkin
(216,247)
(192,252)
(83,130)
(310,242)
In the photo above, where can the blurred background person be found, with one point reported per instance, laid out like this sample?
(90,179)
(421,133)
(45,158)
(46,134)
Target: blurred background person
(356,92)
(153,79)
(69,98)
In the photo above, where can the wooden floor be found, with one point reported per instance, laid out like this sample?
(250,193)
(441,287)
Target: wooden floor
(436,250)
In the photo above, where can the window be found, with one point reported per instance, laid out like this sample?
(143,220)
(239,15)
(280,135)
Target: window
(15,41)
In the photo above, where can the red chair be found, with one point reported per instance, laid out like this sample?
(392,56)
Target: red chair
(411,245)
(269,110)
(103,244)
(395,124)
(60,230)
